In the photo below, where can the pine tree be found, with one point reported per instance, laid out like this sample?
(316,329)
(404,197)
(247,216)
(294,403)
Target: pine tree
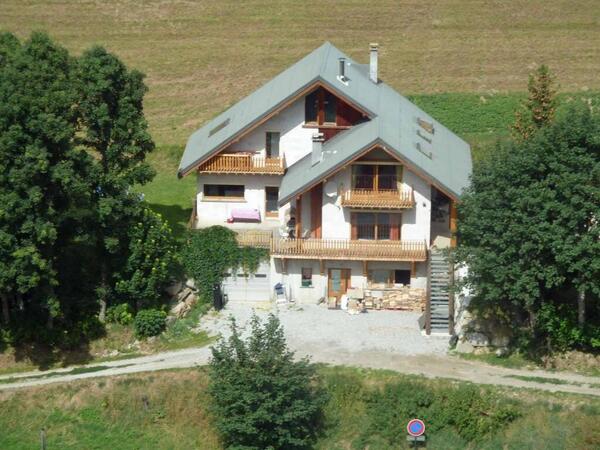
(539,108)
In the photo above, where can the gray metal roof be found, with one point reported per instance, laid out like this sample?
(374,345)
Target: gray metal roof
(442,157)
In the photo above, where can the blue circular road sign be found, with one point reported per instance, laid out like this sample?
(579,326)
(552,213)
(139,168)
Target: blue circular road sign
(415,427)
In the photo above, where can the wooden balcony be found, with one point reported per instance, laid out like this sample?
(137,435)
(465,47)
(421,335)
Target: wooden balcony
(347,249)
(243,163)
(378,198)
(254,238)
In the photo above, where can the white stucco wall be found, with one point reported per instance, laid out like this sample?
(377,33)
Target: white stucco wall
(416,222)
(295,140)
(335,218)
(216,212)
(293,279)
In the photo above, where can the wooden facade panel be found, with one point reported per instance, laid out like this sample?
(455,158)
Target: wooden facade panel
(316,210)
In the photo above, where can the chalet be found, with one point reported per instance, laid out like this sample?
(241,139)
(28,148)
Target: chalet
(345,180)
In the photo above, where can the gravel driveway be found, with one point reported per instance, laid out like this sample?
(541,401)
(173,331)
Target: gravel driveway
(317,331)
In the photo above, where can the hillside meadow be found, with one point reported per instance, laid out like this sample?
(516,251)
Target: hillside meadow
(170,409)
(464,62)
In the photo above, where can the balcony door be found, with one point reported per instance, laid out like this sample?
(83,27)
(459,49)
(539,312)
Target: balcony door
(338,282)
(272,144)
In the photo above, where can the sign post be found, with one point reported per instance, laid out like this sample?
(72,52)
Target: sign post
(416,431)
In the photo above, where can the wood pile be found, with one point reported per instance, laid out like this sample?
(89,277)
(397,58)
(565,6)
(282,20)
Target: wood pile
(404,298)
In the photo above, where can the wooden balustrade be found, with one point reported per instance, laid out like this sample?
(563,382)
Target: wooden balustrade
(254,238)
(243,163)
(378,199)
(349,249)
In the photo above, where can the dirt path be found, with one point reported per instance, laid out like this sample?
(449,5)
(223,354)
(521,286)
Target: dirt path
(376,340)
(433,366)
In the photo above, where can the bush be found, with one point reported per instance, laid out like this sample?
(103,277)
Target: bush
(151,263)
(149,322)
(120,314)
(262,397)
(469,411)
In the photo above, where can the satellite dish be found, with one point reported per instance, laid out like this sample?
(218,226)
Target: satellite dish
(330,189)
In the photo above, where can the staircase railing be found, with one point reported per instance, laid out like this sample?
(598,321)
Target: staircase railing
(428,296)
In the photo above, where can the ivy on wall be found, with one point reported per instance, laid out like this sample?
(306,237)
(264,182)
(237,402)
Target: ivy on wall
(209,253)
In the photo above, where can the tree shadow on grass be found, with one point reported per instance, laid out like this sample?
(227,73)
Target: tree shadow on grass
(175,215)
(45,356)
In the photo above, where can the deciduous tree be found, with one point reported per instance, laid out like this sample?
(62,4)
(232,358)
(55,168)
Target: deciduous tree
(115,131)
(528,224)
(43,177)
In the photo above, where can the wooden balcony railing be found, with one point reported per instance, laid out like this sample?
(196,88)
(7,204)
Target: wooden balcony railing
(349,249)
(378,199)
(243,163)
(254,238)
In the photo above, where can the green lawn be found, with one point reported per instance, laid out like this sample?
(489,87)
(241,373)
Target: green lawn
(169,410)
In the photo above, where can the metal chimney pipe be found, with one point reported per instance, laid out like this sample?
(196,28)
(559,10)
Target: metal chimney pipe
(374,50)
(342,70)
(317,148)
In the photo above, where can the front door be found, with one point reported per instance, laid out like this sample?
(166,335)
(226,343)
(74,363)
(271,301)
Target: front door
(338,282)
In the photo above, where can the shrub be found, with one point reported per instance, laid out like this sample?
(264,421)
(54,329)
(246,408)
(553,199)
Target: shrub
(470,412)
(151,263)
(262,397)
(120,314)
(149,322)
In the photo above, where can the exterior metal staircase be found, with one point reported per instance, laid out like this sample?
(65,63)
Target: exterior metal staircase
(440,301)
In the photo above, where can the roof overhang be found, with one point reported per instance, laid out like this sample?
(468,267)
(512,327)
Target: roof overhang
(294,96)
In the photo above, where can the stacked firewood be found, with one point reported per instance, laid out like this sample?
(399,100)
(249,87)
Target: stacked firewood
(404,298)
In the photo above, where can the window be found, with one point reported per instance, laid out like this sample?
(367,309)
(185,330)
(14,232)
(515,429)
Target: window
(320,107)
(306,277)
(311,107)
(363,176)
(224,190)
(366,225)
(386,277)
(375,226)
(383,226)
(272,144)
(271,197)
(386,177)
(375,177)
(402,277)
(381,276)
(330,105)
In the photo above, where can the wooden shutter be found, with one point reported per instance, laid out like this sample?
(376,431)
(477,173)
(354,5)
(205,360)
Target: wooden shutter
(353,231)
(316,210)
(395,223)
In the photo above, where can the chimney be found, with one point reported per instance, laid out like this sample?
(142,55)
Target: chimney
(342,69)
(317,148)
(373,47)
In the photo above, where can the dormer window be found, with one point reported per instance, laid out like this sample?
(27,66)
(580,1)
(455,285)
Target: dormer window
(320,108)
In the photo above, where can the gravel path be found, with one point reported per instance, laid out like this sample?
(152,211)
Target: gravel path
(380,339)
(312,329)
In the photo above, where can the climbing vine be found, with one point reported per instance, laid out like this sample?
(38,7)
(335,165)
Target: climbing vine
(209,253)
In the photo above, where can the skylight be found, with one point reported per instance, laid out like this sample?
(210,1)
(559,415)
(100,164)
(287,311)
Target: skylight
(218,127)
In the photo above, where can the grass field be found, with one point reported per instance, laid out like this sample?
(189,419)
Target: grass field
(465,62)
(169,410)
(202,56)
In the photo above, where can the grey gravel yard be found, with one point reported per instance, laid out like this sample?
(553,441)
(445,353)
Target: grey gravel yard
(316,331)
